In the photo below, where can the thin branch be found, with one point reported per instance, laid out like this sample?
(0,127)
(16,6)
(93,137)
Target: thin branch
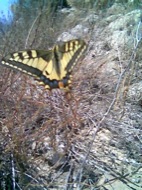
(28,36)
(13,172)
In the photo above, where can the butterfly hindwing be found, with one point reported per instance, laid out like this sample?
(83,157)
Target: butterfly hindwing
(51,68)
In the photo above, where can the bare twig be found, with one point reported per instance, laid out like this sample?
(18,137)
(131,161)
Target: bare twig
(13,171)
(30,31)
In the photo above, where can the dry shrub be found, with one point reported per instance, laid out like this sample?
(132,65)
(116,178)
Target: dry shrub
(51,141)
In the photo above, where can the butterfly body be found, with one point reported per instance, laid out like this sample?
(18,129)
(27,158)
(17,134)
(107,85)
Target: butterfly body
(52,68)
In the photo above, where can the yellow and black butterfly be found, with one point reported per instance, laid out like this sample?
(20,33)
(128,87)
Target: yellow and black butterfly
(52,68)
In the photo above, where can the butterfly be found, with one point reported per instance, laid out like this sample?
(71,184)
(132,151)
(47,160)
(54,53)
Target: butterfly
(52,68)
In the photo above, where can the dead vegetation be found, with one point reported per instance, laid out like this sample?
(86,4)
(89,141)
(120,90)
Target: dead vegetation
(91,141)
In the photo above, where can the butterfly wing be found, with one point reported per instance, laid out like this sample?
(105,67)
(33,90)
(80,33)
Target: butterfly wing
(66,55)
(31,62)
(70,53)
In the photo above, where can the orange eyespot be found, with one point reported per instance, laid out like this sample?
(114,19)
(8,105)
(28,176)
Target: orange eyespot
(61,84)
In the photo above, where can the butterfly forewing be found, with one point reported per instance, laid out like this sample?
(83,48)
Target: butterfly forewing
(52,67)
(74,50)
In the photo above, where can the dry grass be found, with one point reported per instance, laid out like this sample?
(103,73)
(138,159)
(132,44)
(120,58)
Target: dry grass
(49,141)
